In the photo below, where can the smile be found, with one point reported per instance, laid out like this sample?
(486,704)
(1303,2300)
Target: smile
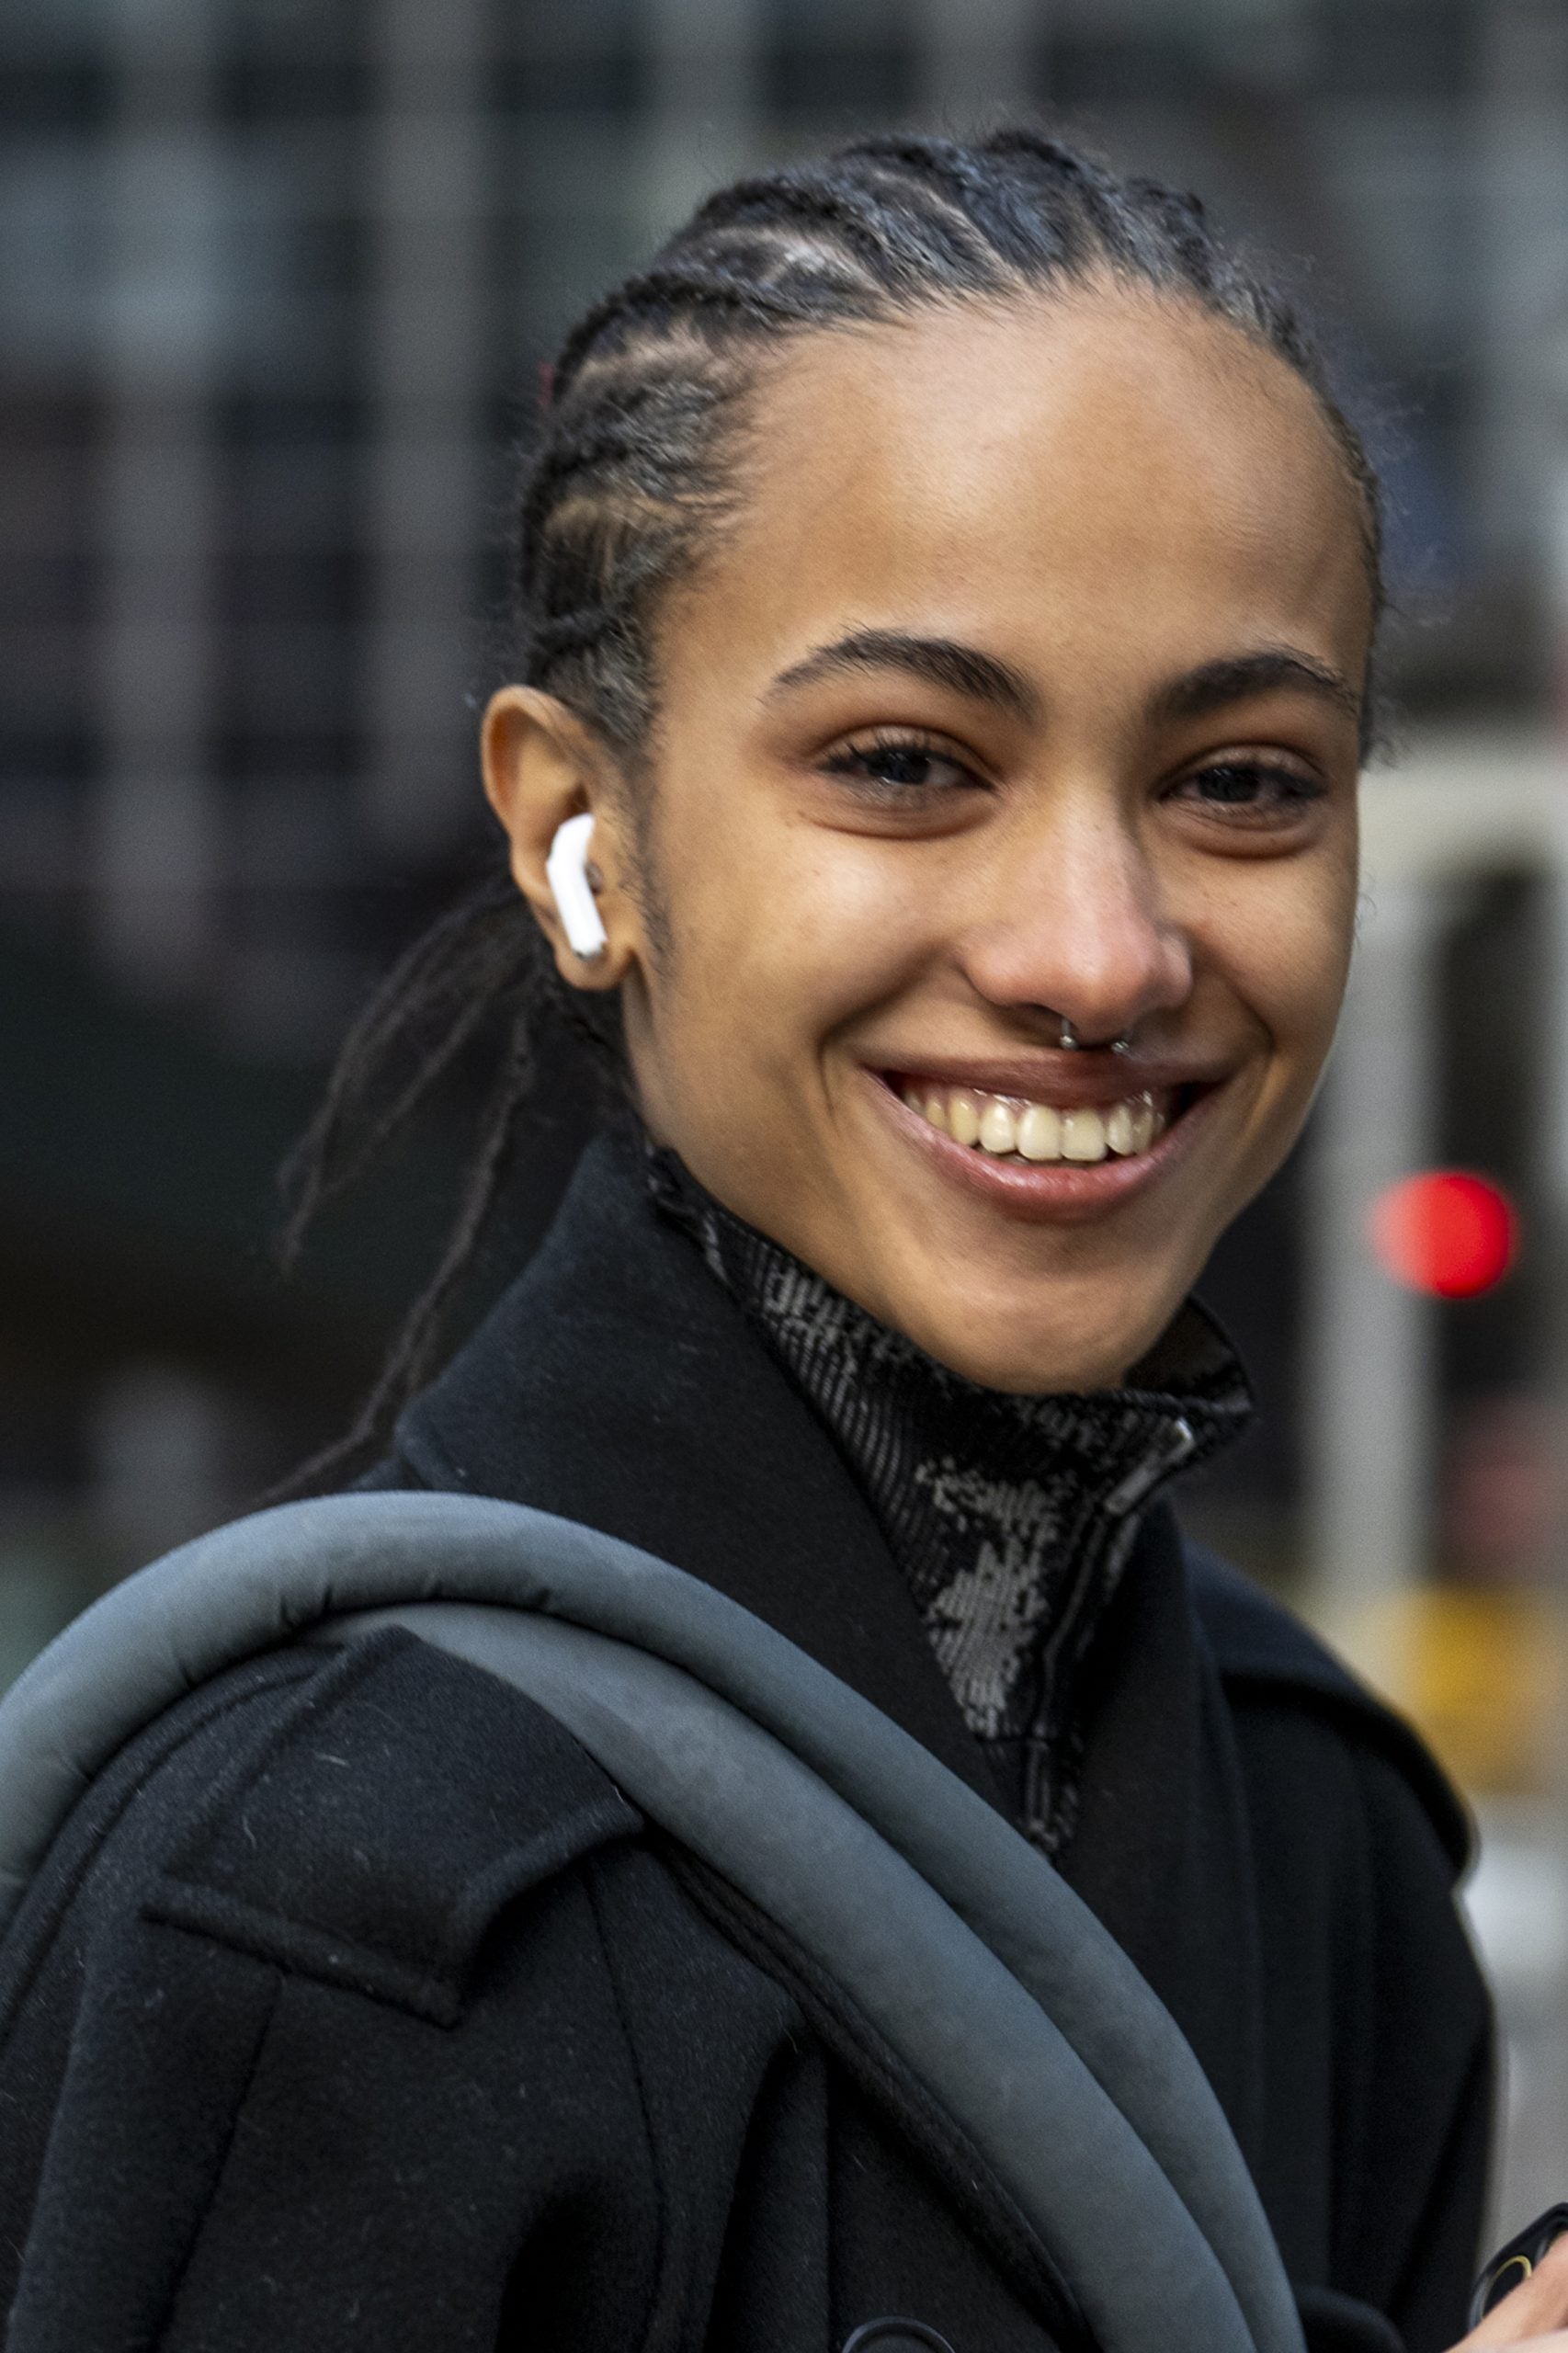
(1061,1147)
(1015,1128)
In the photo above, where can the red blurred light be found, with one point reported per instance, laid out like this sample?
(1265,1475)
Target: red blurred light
(1445,1232)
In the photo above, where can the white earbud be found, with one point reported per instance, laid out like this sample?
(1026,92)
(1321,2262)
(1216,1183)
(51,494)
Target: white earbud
(566,871)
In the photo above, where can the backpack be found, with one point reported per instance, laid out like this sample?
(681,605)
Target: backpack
(959,1944)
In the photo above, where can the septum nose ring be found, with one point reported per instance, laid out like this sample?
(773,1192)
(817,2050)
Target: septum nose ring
(1071,1043)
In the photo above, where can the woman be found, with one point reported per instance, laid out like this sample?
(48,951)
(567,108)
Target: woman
(947,583)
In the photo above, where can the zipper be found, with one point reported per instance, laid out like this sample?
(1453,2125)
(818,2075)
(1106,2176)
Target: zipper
(1179,1445)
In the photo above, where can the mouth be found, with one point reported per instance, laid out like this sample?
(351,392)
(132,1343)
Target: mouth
(1053,1145)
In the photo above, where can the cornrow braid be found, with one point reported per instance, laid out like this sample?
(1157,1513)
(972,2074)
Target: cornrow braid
(636,469)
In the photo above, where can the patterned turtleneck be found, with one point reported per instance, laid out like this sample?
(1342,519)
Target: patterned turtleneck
(1010,1518)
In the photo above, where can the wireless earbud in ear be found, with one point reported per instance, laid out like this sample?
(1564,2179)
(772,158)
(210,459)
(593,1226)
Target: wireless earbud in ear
(566,871)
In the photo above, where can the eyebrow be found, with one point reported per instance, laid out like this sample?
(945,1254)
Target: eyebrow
(965,670)
(940,661)
(1235,676)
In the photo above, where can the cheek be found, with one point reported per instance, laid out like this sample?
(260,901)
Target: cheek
(791,931)
(1289,953)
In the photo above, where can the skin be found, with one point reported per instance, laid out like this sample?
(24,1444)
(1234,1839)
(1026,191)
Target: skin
(858,873)
(1532,2317)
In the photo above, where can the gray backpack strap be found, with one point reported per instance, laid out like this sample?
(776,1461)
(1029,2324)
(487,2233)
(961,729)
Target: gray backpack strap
(965,2024)
(966,1948)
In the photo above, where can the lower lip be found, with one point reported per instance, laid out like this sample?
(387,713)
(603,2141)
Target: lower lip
(1051,1191)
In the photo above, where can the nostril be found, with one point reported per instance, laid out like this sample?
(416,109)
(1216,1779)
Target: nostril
(896,2337)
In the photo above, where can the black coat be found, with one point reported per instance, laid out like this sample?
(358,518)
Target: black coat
(356,2009)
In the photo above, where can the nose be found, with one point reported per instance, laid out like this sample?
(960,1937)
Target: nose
(1075,924)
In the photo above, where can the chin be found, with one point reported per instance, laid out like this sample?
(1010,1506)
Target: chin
(1034,1364)
(1066,1332)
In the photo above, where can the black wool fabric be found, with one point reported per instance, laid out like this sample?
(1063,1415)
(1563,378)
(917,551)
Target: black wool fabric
(354,2010)
(1011,1516)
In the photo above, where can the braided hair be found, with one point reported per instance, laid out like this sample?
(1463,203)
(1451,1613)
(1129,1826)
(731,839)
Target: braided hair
(636,468)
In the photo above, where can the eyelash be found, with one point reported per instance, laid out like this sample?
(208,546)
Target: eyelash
(1291,789)
(887,744)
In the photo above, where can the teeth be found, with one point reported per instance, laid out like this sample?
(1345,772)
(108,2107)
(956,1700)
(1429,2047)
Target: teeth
(1039,1132)
(963,1116)
(1081,1133)
(998,1128)
(1121,1126)
(1083,1136)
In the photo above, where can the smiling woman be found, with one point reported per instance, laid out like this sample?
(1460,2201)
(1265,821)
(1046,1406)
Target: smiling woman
(947,591)
(1068,733)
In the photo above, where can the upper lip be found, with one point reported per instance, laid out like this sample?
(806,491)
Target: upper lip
(1090,1075)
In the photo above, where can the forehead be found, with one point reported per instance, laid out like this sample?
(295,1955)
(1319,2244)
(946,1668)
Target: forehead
(1104,478)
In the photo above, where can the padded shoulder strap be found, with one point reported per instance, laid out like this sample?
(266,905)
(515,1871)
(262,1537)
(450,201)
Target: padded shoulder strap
(1033,2027)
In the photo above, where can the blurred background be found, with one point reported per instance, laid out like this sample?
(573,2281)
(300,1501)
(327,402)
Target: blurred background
(276,282)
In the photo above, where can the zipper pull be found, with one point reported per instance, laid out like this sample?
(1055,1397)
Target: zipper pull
(1146,1475)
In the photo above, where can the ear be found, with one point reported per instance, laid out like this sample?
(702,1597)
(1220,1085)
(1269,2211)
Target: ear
(541,765)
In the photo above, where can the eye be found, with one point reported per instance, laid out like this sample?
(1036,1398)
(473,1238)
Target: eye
(1250,792)
(893,765)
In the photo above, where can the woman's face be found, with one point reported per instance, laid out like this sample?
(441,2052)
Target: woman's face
(1023,690)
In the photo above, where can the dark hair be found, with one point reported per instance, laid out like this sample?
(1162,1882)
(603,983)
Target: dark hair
(637,466)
